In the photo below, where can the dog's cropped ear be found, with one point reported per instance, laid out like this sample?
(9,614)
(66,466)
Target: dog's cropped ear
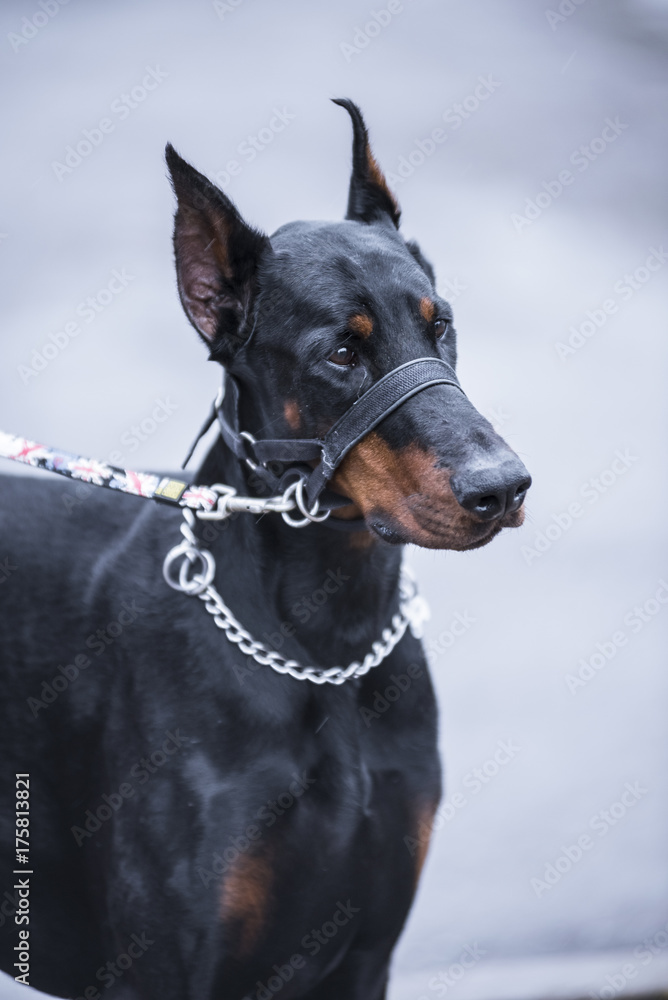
(369,198)
(217,257)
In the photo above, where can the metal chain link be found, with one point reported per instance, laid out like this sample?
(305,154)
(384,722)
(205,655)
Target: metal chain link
(413,612)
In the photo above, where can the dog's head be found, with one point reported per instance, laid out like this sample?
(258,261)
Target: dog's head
(310,318)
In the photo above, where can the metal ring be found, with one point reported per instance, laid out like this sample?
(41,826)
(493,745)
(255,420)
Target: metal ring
(296,490)
(198,582)
(293,522)
(251,440)
(312,514)
(289,497)
(291,494)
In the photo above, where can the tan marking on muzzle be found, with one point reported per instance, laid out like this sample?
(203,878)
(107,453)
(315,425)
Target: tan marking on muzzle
(246,894)
(408,487)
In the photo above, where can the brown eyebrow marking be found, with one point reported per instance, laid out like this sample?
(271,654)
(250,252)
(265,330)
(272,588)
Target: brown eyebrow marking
(361,323)
(427,309)
(291,413)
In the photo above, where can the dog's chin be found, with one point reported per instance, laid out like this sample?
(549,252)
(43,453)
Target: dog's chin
(437,534)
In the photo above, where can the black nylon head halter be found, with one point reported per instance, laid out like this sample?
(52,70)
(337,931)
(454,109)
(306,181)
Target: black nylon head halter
(381,399)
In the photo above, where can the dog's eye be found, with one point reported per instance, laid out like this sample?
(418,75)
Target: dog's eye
(441,327)
(345,356)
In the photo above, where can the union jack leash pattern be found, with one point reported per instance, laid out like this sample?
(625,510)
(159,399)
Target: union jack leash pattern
(90,470)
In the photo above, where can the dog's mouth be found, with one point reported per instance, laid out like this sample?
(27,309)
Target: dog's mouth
(406,498)
(429,528)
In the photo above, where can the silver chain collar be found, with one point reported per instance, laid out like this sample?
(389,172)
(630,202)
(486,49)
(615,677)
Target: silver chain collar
(198,567)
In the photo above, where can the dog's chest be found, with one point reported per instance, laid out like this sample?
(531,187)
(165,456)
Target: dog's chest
(326,814)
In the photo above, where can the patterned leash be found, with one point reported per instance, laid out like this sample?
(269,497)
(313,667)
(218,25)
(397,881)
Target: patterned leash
(215,502)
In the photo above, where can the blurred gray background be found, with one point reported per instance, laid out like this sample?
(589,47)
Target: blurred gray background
(523,90)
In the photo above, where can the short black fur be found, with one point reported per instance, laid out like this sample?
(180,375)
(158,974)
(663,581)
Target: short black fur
(225,827)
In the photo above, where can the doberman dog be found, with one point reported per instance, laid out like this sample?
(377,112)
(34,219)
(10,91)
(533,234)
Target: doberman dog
(202,826)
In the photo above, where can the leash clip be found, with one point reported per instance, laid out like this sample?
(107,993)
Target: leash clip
(222,510)
(229,502)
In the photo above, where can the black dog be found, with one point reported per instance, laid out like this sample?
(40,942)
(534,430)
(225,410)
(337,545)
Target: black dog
(201,826)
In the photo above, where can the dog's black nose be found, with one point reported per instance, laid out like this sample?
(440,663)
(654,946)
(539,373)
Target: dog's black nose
(491,492)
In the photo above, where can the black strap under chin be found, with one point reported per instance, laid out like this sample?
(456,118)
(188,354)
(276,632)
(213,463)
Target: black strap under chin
(366,413)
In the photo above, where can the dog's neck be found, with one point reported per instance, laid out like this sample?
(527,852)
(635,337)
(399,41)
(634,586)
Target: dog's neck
(338,589)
